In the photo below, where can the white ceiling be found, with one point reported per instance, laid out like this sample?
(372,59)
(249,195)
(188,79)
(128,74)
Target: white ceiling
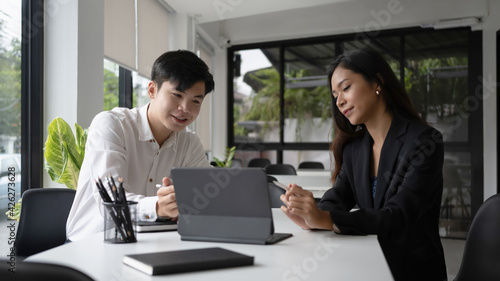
(216,10)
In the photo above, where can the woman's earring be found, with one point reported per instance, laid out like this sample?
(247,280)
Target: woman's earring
(377,92)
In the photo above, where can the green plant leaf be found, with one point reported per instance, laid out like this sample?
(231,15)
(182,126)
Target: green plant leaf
(219,162)
(228,158)
(69,176)
(81,138)
(63,156)
(63,153)
(229,155)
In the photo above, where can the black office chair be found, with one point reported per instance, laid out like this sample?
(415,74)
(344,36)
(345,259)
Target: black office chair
(42,222)
(259,162)
(280,169)
(235,163)
(481,258)
(311,165)
(39,271)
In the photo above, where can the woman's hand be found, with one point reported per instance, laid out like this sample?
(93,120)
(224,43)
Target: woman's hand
(302,210)
(166,206)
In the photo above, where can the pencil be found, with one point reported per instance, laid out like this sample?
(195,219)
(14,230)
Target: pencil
(128,220)
(112,187)
(112,211)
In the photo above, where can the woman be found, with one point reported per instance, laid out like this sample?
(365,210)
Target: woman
(388,162)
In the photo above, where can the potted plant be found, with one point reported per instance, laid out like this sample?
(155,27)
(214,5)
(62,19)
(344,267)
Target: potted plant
(228,158)
(63,154)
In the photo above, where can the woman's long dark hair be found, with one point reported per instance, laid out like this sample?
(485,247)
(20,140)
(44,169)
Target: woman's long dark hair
(373,67)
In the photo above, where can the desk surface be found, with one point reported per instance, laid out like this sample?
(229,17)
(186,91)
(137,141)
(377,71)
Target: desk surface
(308,255)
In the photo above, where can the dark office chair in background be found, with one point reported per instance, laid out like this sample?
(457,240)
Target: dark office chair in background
(311,165)
(280,169)
(259,162)
(481,258)
(42,222)
(274,192)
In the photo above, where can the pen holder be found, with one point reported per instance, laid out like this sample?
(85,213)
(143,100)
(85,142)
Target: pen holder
(120,222)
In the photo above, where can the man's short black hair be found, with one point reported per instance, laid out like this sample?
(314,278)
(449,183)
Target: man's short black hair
(183,68)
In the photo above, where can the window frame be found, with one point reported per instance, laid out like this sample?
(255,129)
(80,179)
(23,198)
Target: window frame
(32,75)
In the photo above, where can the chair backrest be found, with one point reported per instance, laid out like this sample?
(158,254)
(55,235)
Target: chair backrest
(259,162)
(280,169)
(481,258)
(235,163)
(311,165)
(40,272)
(42,222)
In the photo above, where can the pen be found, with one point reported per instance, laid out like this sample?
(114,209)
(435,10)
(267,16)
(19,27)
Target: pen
(283,186)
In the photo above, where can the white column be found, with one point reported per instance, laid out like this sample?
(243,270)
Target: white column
(490,28)
(74,40)
(219,103)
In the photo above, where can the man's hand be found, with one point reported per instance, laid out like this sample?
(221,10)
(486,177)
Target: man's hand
(166,206)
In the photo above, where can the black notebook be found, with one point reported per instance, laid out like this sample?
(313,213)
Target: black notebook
(158,225)
(186,260)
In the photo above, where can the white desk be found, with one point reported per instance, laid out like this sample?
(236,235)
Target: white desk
(314,172)
(308,255)
(316,182)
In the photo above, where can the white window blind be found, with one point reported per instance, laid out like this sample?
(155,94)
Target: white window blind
(119,32)
(135,33)
(152,24)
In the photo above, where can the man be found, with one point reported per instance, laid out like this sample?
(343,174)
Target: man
(141,145)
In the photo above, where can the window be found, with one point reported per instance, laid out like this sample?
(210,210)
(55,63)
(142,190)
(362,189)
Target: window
(256,96)
(116,88)
(306,95)
(437,79)
(140,90)
(279,105)
(10,102)
(111,84)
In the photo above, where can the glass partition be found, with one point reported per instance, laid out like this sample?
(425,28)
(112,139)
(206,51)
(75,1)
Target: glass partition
(256,86)
(307,101)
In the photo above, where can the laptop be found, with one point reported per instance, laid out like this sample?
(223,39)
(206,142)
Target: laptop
(224,205)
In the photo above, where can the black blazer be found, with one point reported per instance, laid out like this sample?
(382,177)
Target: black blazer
(405,212)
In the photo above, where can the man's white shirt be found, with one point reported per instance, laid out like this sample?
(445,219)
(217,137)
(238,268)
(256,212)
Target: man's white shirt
(120,143)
